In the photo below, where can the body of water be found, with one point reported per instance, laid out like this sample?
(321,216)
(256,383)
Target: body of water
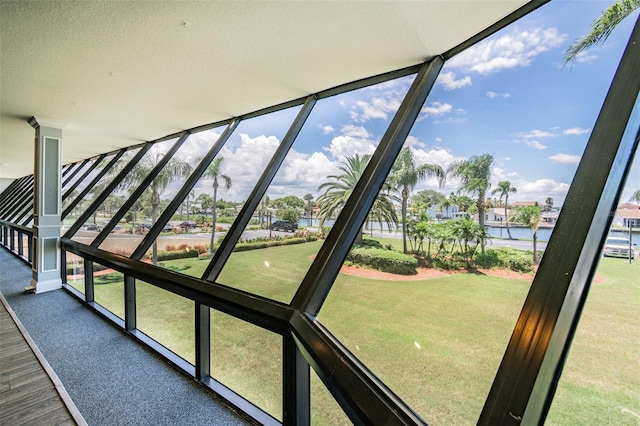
(545,233)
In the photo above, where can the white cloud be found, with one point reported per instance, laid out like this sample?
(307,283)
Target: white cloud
(565,158)
(302,172)
(575,131)
(449,82)
(543,188)
(376,108)
(536,144)
(508,51)
(328,129)
(345,146)
(496,95)
(413,141)
(436,109)
(537,134)
(585,57)
(244,164)
(355,131)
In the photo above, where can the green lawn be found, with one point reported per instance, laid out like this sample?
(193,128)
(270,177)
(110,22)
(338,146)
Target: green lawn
(437,343)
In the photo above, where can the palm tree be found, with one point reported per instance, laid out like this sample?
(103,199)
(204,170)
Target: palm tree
(548,204)
(474,175)
(504,188)
(601,28)
(405,175)
(532,217)
(213,171)
(173,170)
(338,191)
(635,197)
(308,198)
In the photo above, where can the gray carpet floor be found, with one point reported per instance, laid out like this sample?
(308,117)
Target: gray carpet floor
(112,379)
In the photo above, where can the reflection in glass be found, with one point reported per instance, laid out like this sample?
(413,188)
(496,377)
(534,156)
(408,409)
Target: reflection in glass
(290,222)
(75,271)
(600,383)
(248,360)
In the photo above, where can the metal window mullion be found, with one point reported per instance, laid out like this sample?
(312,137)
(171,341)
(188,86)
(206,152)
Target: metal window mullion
(66,168)
(296,384)
(24,207)
(9,190)
(21,208)
(9,194)
(104,233)
(239,224)
(325,267)
(95,204)
(92,184)
(525,383)
(248,307)
(364,398)
(130,318)
(156,229)
(18,194)
(202,340)
(89,288)
(83,177)
(75,172)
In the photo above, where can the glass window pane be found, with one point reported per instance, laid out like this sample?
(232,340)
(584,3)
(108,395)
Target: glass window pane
(600,383)
(325,410)
(108,287)
(229,179)
(92,226)
(502,115)
(167,318)
(75,271)
(279,245)
(248,360)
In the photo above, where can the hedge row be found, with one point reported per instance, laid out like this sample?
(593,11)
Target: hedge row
(266,244)
(507,257)
(383,260)
(177,254)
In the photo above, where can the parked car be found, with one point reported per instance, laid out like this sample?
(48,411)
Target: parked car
(91,227)
(617,247)
(187,224)
(284,225)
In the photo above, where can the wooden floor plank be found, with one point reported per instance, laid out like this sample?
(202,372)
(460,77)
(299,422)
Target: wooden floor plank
(28,394)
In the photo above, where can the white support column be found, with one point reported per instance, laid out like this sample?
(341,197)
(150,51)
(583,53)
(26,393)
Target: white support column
(46,207)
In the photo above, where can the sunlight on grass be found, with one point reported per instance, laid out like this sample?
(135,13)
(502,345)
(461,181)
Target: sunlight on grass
(247,359)
(437,343)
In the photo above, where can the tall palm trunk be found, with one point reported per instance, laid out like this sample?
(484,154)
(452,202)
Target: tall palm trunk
(405,197)
(155,202)
(506,218)
(213,216)
(481,206)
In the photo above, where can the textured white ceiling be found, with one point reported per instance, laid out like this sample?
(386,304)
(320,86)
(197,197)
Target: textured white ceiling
(116,73)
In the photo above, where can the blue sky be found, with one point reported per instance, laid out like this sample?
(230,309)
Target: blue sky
(508,96)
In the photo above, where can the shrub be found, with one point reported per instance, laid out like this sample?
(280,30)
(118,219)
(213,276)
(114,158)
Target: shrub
(505,257)
(169,247)
(202,248)
(182,247)
(260,244)
(177,254)
(383,260)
